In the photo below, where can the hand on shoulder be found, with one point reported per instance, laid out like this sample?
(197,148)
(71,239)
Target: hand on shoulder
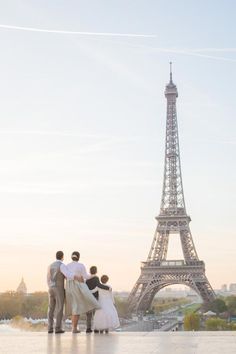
(79,278)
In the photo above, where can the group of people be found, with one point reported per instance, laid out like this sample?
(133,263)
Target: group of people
(84,294)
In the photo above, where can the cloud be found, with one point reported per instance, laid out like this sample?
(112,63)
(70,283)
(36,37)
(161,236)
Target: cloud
(68,133)
(49,132)
(64,133)
(86,143)
(74,188)
(80,33)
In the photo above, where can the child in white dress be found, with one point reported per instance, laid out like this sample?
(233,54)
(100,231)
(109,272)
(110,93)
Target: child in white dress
(106,317)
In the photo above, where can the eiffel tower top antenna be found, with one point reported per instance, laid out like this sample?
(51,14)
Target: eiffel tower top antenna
(171,82)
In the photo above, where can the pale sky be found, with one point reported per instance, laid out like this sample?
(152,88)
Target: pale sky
(82,129)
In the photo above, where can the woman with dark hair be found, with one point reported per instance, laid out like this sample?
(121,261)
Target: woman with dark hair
(79,298)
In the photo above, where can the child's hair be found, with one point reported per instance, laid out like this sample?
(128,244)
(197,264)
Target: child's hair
(93,270)
(104,279)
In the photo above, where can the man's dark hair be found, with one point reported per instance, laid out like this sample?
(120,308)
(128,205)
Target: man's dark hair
(93,270)
(59,255)
(75,256)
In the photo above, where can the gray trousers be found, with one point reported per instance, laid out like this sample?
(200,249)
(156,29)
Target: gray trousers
(89,316)
(56,297)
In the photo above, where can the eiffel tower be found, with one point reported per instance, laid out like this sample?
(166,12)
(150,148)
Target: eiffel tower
(158,272)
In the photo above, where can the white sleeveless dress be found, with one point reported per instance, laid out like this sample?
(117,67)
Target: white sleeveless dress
(106,317)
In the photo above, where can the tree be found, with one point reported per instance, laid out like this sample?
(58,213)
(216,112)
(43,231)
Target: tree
(231,304)
(121,306)
(218,306)
(191,322)
(10,304)
(216,324)
(33,305)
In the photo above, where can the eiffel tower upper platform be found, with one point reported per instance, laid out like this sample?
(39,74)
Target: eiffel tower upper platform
(158,272)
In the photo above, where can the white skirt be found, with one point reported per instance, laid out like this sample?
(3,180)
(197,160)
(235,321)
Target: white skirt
(106,317)
(79,298)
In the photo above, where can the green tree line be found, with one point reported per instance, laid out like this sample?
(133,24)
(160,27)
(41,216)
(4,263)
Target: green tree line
(225,310)
(220,305)
(33,305)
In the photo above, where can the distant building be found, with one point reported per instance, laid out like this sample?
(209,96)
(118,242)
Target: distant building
(121,294)
(22,287)
(232,287)
(224,287)
(172,293)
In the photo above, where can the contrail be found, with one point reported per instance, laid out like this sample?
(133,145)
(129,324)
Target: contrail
(193,53)
(214,50)
(198,52)
(107,34)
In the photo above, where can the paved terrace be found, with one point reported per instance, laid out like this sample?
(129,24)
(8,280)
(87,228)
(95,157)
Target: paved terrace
(119,343)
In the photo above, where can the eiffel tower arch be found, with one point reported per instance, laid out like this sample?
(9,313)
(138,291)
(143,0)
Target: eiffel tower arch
(158,272)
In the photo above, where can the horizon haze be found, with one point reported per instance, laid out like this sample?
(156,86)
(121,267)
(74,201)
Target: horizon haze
(82,133)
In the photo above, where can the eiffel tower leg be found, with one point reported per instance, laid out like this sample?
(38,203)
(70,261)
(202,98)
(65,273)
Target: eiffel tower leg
(146,300)
(188,247)
(204,289)
(159,245)
(135,294)
(156,283)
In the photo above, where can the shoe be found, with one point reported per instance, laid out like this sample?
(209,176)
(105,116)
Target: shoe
(88,330)
(96,331)
(50,331)
(106,331)
(76,331)
(59,331)
(101,332)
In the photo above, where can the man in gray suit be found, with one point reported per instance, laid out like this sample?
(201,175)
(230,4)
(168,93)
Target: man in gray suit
(57,272)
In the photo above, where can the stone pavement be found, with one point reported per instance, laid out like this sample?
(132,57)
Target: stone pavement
(119,343)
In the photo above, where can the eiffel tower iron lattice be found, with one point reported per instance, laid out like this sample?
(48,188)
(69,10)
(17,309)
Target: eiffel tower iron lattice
(158,272)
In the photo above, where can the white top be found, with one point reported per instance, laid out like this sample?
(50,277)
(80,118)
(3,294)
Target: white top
(77,268)
(104,292)
(66,272)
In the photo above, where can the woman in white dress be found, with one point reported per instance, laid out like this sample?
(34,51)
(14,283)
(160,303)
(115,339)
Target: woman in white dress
(79,298)
(106,317)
